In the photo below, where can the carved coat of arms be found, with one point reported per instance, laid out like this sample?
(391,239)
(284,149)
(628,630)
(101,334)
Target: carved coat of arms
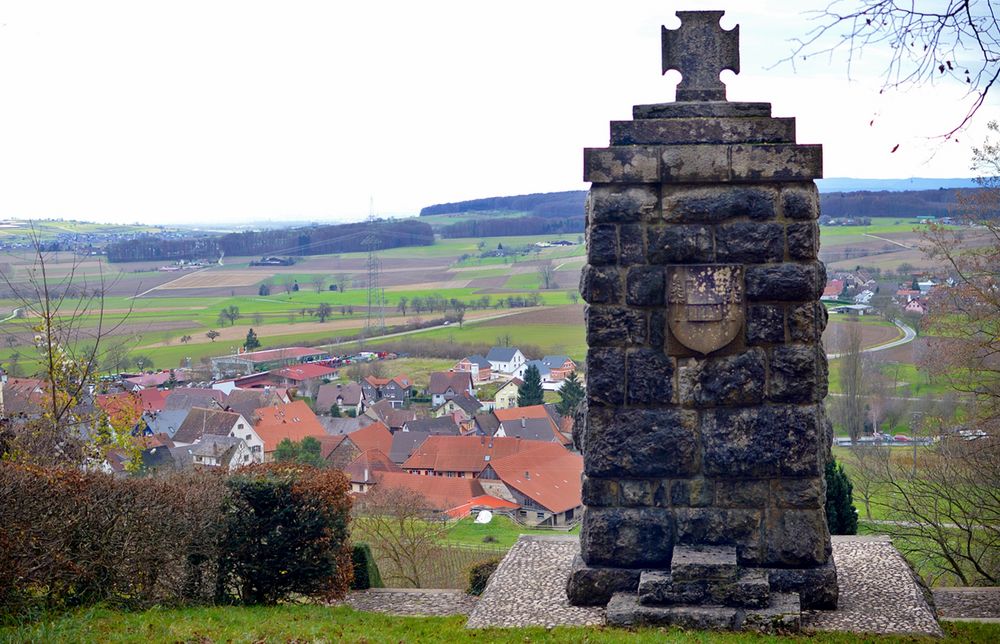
(705,305)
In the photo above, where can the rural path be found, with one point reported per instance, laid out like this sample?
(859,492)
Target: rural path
(886,239)
(908,336)
(13,314)
(441,326)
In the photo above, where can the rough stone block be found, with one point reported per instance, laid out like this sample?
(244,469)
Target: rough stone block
(644,286)
(794,374)
(641,443)
(701,109)
(742,494)
(650,377)
(625,611)
(675,244)
(693,493)
(785,282)
(765,324)
(816,585)
(657,328)
(602,245)
(599,492)
(637,492)
(630,240)
(753,243)
(803,240)
(722,527)
(614,325)
(627,537)
(806,493)
(606,376)
(717,204)
(594,586)
(807,322)
(601,285)
(782,615)
(796,538)
(728,380)
(800,202)
(614,204)
(622,164)
(782,162)
(695,164)
(672,131)
(751,590)
(761,442)
(696,563)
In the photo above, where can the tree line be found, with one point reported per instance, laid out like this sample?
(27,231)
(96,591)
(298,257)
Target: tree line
(312,240)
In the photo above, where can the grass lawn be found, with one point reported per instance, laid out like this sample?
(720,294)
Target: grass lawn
(500,528)
(569,339)
(306,623)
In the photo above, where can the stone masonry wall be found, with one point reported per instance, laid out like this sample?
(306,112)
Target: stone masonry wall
(728,448)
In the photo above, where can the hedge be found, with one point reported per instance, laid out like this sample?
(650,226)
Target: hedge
(366,573)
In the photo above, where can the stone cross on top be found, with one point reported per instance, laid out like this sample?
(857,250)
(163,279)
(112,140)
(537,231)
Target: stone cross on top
(700,49)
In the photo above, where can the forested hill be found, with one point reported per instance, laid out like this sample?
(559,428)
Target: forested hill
(554,212)
(310,240)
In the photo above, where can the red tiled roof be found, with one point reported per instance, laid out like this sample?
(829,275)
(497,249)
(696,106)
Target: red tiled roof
(305,371)
(548,474)
(485,502)
(442,493)
(375,436)
(833,288)
(464,453)
(369,462)
(517,413)
(293,421)
(140,401)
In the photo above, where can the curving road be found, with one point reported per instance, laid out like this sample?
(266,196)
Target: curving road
(908,337)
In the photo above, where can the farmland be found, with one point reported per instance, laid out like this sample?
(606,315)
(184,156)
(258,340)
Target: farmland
(165,315)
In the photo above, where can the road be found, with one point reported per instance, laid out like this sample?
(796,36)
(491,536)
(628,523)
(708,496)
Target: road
(908,337)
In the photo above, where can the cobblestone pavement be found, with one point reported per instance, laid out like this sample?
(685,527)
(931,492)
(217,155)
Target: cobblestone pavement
(529,588)
(877,592)
(978,603)
(404,601)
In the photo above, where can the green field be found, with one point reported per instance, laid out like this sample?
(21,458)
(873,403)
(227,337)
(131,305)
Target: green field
(500,528)
(568,339)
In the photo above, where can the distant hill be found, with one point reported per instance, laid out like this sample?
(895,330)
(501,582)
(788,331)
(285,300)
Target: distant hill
(562,212)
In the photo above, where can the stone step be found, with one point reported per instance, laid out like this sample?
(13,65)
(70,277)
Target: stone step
(750,590)
(697,563)
(782,615)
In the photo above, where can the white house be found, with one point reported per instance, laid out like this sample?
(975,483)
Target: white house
(505,359)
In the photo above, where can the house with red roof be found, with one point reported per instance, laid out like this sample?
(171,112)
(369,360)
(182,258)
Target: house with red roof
(365,467)
(440,494)
(305,378)
(544,481)
(374,436)
(832,290)
(397,390)
(293,421)
(461,456)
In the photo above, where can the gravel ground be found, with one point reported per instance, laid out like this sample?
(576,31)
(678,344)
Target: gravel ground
(877,591)
(976,603)
(404,601)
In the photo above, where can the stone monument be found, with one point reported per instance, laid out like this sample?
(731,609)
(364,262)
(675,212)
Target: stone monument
(704,439)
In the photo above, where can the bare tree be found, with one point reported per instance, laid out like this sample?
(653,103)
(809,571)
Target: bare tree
(849,407)
(867,463)
(318,282)
(958,40)
(401,530)
(547,275)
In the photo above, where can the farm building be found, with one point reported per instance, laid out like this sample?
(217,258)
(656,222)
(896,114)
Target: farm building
(258,361)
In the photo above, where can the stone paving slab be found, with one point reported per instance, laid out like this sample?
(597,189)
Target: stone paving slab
(968,603)
(405,601)
(529,588)
(877,591)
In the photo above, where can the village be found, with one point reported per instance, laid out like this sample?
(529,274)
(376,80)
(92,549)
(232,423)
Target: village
(460,441)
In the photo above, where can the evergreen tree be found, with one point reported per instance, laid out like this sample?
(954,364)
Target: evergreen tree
(531,393)
(335,410)
(841,516)
(251,342)
(309,452)
(570,395)
(286,452)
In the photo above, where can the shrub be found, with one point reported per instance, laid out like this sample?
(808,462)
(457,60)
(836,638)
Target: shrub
(489,539)
(366,574)
(286,533)
(479,575)
(841,517)
(69,538)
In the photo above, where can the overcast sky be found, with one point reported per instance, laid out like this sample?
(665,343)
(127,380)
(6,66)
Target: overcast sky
(236,111)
